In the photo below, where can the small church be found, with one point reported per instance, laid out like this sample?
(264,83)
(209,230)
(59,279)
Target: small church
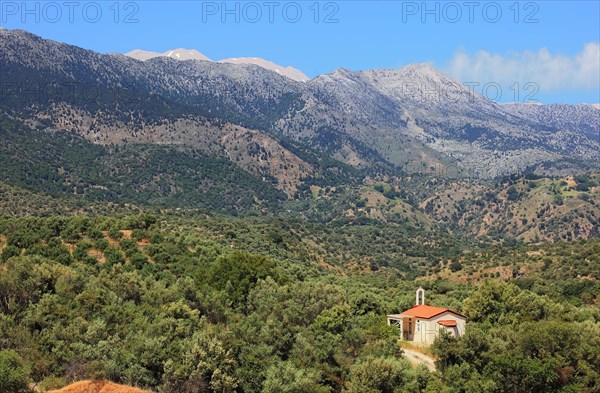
(422,323)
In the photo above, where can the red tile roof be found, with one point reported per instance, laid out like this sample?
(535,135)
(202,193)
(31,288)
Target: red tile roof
(447,322)
(426,312)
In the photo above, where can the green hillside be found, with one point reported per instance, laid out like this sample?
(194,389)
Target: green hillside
(64,164)
(240,304)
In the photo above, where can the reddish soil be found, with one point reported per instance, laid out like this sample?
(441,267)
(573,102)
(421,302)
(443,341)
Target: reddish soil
(97,387)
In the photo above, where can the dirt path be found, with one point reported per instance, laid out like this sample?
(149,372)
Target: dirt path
(418,358)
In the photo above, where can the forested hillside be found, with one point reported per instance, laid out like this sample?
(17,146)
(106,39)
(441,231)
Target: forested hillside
(67,168)
(176,304)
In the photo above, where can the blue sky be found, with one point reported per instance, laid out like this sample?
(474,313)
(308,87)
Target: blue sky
(552,45)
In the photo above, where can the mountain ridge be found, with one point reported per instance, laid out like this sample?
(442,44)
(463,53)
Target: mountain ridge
(192,54)
(177,54)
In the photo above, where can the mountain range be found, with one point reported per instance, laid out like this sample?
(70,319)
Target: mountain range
(393,122)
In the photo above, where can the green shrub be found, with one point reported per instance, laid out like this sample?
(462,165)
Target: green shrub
(14,377)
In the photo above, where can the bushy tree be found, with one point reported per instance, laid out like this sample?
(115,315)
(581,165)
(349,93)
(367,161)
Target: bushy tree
(381,375)
(13,376)
(285,377)
(206,366)
(238,273)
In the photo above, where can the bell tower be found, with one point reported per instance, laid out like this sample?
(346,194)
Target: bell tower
(420,297)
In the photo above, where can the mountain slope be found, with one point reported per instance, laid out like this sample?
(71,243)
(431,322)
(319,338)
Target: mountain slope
(481,136)
(532,210)
(290,72)
(582,117)
(64,163)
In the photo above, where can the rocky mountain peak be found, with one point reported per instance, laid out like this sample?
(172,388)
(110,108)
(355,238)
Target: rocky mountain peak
(192,54)
(177,54)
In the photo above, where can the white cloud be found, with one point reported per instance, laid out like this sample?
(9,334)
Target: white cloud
(548,70)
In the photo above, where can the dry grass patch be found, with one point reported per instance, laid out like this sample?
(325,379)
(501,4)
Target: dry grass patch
(98,254)
(97,387)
